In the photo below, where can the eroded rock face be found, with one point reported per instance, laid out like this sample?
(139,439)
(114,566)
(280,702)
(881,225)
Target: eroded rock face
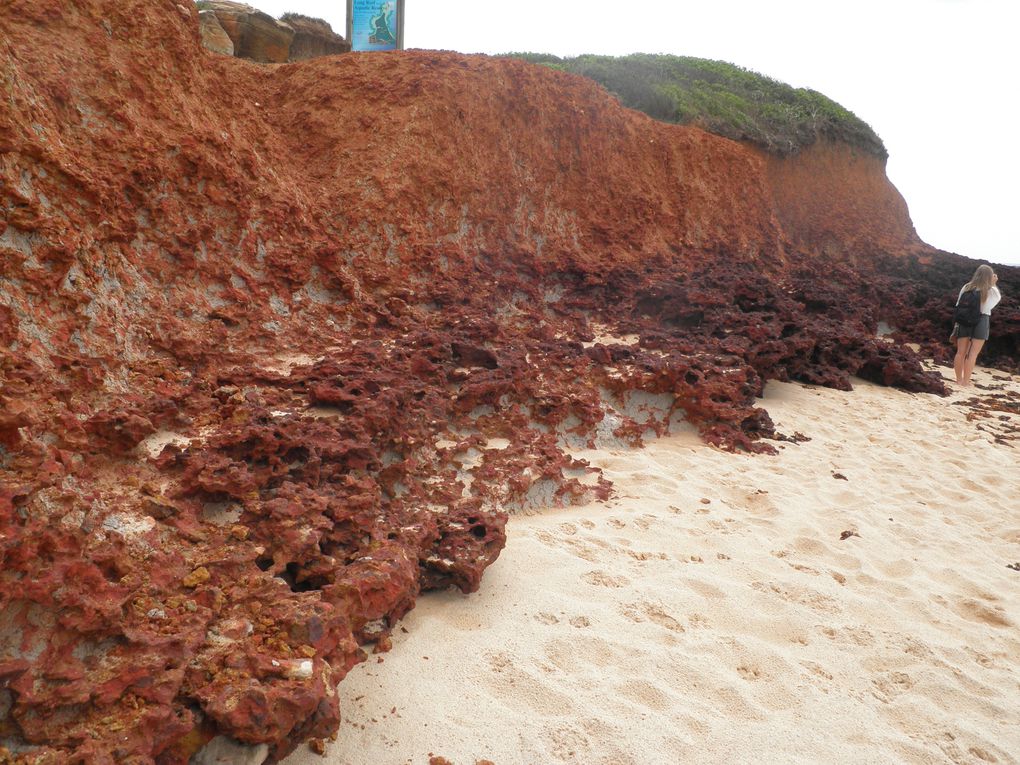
(224,751)
(313,38)
(279,348)
(214,36)
(833,198)
(255,35)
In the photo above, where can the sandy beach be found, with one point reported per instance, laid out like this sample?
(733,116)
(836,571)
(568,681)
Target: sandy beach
(848,600)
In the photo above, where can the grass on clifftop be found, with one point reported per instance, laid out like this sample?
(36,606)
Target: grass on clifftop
(721,98)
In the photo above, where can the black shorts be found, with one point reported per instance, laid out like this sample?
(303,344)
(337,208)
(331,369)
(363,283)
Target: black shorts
(979,331)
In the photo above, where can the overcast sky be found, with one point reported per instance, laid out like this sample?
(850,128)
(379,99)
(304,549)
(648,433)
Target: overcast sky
(936,79)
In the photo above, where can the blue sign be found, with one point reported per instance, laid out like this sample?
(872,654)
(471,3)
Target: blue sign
(374,24)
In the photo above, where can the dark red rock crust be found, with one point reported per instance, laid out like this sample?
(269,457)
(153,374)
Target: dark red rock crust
(435,241)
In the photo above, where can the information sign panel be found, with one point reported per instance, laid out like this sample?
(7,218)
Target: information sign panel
(375,24)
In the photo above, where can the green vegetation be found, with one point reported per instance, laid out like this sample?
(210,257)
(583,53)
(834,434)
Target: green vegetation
(290,16)
(722,98)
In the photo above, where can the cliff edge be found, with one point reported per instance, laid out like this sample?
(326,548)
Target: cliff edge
(280,346)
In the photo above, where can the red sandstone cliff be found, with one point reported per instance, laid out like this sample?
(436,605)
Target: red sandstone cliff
(834,198)
(259,326)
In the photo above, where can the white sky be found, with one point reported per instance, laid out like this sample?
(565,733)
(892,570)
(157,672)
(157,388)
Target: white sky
(936,79)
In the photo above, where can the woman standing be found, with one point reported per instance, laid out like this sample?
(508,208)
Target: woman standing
(970,339)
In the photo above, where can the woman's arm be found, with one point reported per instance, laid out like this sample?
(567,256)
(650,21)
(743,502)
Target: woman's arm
(994,296)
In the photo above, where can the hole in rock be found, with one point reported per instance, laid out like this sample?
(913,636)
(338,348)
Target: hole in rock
(264,563)
(225,318)
(297,454)
(292,575)
(109,570)
(479,531)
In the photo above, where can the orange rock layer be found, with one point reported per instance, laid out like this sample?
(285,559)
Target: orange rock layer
(280,346)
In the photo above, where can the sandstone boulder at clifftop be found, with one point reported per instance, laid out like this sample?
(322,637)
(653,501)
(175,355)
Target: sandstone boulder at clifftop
(255,35)
(214,37)
(313,38)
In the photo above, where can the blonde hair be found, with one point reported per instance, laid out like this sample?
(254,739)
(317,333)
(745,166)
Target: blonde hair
(982,281)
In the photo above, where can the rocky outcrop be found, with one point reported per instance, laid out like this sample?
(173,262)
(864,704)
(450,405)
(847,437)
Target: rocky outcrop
(831,197)
(313,38)
(280,348)
(237,29)
(255,35)
(214,36)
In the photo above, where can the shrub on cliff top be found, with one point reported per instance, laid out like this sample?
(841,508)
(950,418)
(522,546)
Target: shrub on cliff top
(291,17)
(721,98)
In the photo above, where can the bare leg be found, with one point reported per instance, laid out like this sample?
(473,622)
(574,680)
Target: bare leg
(962,347)
(971,360)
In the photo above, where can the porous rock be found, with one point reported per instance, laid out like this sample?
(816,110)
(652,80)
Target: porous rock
(369,315)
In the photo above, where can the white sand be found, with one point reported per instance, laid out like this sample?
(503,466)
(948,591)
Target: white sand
(712,614)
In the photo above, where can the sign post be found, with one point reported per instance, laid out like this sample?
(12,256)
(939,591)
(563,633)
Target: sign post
(375,24)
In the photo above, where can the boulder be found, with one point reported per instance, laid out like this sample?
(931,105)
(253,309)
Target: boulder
(254,34)
(313,38)
(214,36)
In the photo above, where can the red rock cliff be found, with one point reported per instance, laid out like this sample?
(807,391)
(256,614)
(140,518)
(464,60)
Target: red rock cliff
(836,199)
(261,327)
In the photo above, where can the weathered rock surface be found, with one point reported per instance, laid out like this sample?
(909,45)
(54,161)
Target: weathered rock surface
(313,38)
(255,35)
(833,198)
(279,347)
(214,36)
(224,751)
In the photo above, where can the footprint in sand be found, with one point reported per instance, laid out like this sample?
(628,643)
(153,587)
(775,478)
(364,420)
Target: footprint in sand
(653,612)
(705,589)
(583,650)
(750,672)
(818,671)
(852,635)
(726,525)
(983,754)
(897,569)
(698,621)
(602,579)
(803,569)
(889,685)
(976,611)
(644,522)
(801,596)
(582,549)
(809,546)
(641,555)
(506,679)
(587,740)
(646,695)
(757,504)
(979,658)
